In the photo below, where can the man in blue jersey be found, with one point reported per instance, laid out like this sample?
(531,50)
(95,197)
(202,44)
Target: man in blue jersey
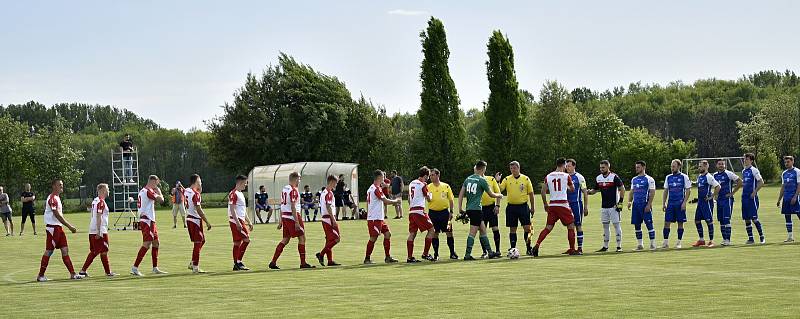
(262,203)
(707,190)
(578,200)
(726,179)
(308,203)
(643,190)
(789,194)
(677,189)
(751,184)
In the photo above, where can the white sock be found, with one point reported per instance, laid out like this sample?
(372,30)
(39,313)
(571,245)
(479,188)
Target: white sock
(606,234)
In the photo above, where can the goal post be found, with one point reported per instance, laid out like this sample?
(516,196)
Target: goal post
(732,163)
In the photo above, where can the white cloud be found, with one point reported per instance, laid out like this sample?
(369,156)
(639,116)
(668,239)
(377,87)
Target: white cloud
(403,12)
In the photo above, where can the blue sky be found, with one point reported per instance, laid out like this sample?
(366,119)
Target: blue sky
(178,61)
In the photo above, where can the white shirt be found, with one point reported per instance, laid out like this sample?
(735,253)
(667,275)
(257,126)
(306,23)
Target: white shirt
(289,195)
(193,199)
(147,204)
(99,205)
(53,203)
(418,195)
(236,199)
(325,199)
(558,184)
(374,203)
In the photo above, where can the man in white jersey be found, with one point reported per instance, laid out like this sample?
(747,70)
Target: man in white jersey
(195,217)
(239,222)
(148,196)
(98,232)
(329,223)
(557,184)
(291,222)
(418,219)
(56,239)
(375,215)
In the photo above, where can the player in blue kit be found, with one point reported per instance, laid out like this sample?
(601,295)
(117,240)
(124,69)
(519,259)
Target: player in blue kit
(643,190)
(789,194)
(578,200)
(307,200)
(677,189)
(751,184)
(707,190)
(726,179)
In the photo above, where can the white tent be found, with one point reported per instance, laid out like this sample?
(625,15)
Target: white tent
(314,174)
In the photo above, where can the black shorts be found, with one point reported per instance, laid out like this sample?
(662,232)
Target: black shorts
(488,216)
(349,204)
(28,212)
(439,218)
(339,202)
(518,214)
(475,217)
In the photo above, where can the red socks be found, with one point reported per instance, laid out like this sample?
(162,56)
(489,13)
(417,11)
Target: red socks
(328,250)
(571,238)
(242,249)
(278,252)
(106,267)
(387,245)
(140,256)
(542,235)
(43,265)
(409,247)
(154,254)
(428,242)
(236,251)
(195,253)
(370,247)
(68,263)
(302,250)
(88,261)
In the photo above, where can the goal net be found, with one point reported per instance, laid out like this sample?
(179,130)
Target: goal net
(734,164)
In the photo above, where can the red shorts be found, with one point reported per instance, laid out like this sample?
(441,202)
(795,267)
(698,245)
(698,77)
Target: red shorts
(149,231)
(98,246)
(377,227)
(195,228)
(419,222)
(555,213)
(237,235)
(331,232)
(56,239)
(288,228)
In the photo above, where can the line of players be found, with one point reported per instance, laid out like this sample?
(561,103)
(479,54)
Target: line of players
(567,203)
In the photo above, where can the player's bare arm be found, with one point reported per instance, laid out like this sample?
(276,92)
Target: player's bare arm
(295,213)
(687,193)
(57,213)
(461,198)
(664,195)
(736,189)
(650,199)
(544,193)
(203,216)
(585,202)
(759,184)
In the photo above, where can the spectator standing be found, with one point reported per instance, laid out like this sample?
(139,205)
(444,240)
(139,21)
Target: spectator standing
(5,211)
(178,203)
(127,149)
(28,199)
(397,193)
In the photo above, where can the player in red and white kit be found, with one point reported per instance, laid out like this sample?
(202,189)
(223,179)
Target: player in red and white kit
(98,232)
(56,239)
(329,223)
(291,222)
(148,196)
(375,218)
(418,220)
(195,217)
(239,222)
(557,184)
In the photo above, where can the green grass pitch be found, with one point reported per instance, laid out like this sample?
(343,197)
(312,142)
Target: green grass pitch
(761,281)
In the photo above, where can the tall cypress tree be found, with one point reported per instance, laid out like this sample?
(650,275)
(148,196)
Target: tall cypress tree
(505,112)
(442,142)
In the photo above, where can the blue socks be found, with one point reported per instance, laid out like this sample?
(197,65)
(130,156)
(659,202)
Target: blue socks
(666,233)
(758,227)
(710,231)
(749,227)
(638,228)
(651,231)
(680,233)
(699,230)
(580,239)
(789,224)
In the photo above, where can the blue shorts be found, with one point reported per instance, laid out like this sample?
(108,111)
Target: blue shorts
(675,214)
(309,206)
(638,215)
(788,208)
(262,206)
(750,208)
(705,211)
(724,210)
(577,212)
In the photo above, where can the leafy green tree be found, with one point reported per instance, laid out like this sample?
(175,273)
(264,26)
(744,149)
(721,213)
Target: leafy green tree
(505,111)
(442,136)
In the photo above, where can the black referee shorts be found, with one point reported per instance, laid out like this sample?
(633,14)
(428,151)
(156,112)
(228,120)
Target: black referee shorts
(488,216)
(439,218)
(518,214)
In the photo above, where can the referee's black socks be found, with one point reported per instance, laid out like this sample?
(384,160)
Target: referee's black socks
(496,240)
(512,239)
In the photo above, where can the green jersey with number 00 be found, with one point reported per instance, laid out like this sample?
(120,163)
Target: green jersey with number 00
(474,186)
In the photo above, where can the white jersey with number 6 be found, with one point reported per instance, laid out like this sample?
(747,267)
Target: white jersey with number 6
(558,184)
